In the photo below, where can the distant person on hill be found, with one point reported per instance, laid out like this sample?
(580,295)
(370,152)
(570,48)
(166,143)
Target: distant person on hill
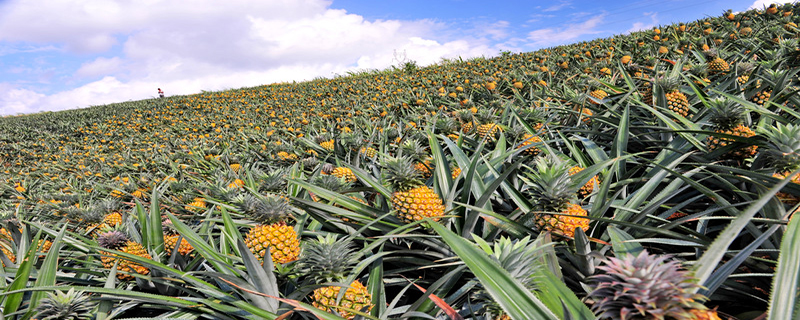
(160,93)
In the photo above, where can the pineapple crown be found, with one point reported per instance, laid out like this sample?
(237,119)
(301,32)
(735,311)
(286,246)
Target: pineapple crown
(783,145)
(113,239)
(644,286)
(331,182)
(328,259)
(550,184)
(445,125)
(667,83)
(401,174)
(264,210)
(518,257)
(272,181)
(745,67)
(725,114)
(65,306)
(413,149)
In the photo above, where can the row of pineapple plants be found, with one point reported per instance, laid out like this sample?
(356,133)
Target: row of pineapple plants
(654,151)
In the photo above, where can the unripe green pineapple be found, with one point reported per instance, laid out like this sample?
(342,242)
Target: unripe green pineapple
(270,212)
(331,260)
(727,118)
(411,199)
(645,287)
(65,306)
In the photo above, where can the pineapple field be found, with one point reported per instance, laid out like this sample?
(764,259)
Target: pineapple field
(652,175)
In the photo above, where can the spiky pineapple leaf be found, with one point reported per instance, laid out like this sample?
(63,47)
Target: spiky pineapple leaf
(783,301)
(510,294)
(705,266)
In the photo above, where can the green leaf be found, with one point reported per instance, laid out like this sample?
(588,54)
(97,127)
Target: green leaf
(783,302)
(705,266)
(622,243)
(512,296)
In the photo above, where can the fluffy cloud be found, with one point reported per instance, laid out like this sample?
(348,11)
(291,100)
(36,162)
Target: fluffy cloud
(760,4)
(639,26)
(131,47)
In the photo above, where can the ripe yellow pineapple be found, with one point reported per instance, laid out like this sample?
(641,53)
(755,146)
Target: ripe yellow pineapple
(344,173)
(676,100)
(327,145)
(327,260)
(727,118)
(599,95)
(270,212)
(170,240)
(488,130)
(551,187)
(718,65)
(369,152)
(116,240)
(587,188)
(356,297)
(411,199)
(528,140)
(762,97)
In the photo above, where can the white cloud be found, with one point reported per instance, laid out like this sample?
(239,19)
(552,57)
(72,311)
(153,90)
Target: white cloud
(188,46)
(556,7)
(555,36)
(15,100)
(760,4)
(639,26)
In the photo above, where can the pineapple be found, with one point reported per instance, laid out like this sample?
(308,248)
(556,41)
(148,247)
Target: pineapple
(488,130)
(117,240)
(327,145)
(676,100)
(411,199)
(599,95)
(65,306)
(530,140)
(551,186)
(762,97)
(587,188)
(344,173)
(369,152)
(728,117)
(715,64)
(330,260)
(270,212)
(788,198)
(646,287)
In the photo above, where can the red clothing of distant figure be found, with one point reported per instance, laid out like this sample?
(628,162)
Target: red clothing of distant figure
(160,93)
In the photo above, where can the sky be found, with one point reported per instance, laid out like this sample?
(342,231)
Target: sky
(66,54)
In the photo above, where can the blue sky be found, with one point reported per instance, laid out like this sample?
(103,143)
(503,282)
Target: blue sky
(64,54)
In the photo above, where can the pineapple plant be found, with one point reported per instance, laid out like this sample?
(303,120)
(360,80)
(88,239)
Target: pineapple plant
(412,200)
(646,286)
(270,213)
(70,305)
(550,185)
(676,101)
(330,260)
(783,153)
(728,117)
(117,240)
